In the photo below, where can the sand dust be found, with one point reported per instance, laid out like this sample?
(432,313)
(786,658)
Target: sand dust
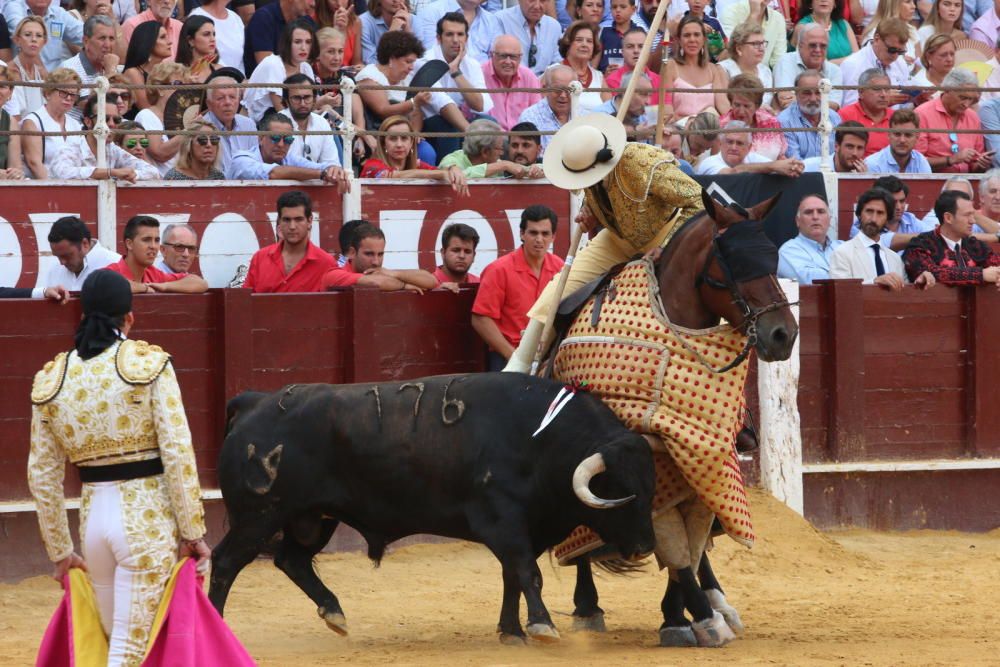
(846,598)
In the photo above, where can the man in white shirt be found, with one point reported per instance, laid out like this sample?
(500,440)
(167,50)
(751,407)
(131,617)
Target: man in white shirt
(538,32)
(810,55)
(98,57)
(79,254)
(299,103)
(736,157)
(864,256)
(884,53)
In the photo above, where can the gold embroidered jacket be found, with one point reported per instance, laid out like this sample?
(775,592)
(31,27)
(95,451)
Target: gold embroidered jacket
(645,191)
(122,405)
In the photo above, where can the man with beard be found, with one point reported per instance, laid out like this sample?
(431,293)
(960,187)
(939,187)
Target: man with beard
(458,251)
(951,253)
(526,149)
(849,144)
(364,266)
(899,157)
(865,257)
(142,245)
(806,257)
(902,225)
(299,104)
(804,112)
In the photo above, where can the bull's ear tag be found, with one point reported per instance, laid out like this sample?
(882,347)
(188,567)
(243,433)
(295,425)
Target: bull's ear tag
(555,407)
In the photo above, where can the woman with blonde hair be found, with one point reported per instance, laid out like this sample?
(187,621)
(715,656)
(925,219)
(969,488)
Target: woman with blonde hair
(29,37)
(396,157)
(938,59)
(162,149)
(10,144)
(51,118)
(694,74)
(945,17)
(340,14)
(900,9)
(746,56)
(198,158)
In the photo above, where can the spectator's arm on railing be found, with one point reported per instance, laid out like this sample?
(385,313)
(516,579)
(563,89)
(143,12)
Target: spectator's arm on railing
(189,284)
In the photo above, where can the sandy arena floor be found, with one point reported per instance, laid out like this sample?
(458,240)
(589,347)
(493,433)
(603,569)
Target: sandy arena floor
(850,598)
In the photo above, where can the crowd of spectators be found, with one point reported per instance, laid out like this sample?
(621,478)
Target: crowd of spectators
(884,51)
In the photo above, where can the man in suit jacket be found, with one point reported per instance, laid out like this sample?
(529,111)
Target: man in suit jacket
(864,257)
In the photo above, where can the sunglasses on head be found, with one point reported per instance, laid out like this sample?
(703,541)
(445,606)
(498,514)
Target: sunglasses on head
(278,138)
(130,143)
(204,139)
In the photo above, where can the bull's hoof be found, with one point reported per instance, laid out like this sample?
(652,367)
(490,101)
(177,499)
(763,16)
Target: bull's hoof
(719,603)
(541,632)
(334,620)
(512,640)
(593,623)
(677,636)
(713,632)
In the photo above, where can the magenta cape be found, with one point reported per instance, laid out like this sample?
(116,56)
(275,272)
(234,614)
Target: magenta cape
(186,631)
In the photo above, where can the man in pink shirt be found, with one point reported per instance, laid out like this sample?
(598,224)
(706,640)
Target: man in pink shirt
(631,48)
(504,70)
(364,266)
(159,11)
(954,151)
(987,27)
(458,252)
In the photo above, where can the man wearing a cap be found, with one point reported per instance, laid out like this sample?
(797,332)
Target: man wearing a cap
(113,408)
(636,192)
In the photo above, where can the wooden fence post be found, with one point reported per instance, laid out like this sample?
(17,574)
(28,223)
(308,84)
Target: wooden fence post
(982,371)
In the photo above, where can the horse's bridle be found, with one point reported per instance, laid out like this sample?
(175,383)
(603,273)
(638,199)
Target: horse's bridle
(750,314)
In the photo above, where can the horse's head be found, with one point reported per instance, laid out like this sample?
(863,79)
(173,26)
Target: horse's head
(737,281)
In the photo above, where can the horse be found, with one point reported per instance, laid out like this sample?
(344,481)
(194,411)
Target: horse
(704,278)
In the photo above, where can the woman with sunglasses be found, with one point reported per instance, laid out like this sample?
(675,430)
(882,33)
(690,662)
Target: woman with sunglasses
(118,89)
(830,15)
(29,38)
(10,145)
(198,159)
(162,149)
(296,49)
(746,56)
(197,48)
(150,45)
(133,144)
(51,118)
(396,157)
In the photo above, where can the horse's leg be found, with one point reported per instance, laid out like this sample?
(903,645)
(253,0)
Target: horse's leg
(676,629)
(717,597)
(709,625)
(587,615)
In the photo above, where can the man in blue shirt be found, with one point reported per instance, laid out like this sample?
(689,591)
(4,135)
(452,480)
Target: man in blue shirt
(536,30)
(637,123)
(804,113)
(899,157)
(269,159)
(266,26)
(394,16)
(806,257)
(223,103)
(64,30)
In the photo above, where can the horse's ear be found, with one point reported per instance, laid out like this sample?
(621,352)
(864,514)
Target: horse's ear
(760,211)
(711,206)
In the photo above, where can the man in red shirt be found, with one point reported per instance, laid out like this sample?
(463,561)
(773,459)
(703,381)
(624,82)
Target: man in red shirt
(364,266)
(293,264)
(458,251)
(511,285)
(142,244)
(872,109)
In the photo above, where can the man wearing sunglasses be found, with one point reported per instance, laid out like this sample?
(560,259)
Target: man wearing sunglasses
(504,71)
(883,53)
(270,160)
(178,248)
(963,148)
(77,159)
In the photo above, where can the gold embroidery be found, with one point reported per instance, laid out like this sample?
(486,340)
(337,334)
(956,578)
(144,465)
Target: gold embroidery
(140,363)
(49,380)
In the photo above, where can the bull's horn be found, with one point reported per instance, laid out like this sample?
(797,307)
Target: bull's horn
(590,466)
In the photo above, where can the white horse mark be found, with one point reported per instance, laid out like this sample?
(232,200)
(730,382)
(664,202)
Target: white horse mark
(419,386)
(288,392)
(270,463)
(457,405)
(378,403)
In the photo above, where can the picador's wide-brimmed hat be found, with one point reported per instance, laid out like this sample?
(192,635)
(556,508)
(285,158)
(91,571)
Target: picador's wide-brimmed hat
(584,151)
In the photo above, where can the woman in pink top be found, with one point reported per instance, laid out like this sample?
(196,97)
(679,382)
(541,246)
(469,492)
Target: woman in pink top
(690,69)
(746,106)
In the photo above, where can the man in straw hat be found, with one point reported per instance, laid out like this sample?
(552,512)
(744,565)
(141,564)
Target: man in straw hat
(636,192)
(113,408)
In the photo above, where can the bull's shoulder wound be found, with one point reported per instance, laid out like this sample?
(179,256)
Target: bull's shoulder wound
(138,362)
(49,380)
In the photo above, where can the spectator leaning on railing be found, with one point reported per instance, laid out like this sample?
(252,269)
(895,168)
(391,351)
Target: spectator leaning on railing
(178,247)
(849,144)
(142,245)
(270,159)
(525,149)
(79,254)
(77,159)
(481,155)
(396,157)
(737,158)
(804,112)
(364,266)
(954,151)
(458,252)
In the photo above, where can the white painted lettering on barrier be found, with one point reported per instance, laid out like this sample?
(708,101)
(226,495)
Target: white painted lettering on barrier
(228,241)
(10,255)
(402,237)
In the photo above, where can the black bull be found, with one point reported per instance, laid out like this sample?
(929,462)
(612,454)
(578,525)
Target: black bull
(453,456)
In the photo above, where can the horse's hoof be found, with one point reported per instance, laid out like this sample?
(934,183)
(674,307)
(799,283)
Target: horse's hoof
(541,632)
(713,632)
(728,611)
(677,636)
(594,623)
(512,640)
(334,620)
